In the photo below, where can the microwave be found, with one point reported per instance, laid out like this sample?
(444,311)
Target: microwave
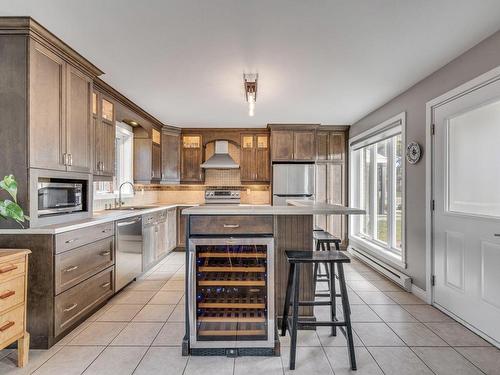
(59,197)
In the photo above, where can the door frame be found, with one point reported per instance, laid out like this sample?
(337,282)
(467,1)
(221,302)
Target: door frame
(464,89)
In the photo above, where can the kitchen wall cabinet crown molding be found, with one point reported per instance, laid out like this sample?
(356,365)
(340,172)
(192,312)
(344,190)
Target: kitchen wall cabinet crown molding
(31,28)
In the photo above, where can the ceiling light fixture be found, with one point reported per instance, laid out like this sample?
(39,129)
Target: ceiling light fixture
(250,83)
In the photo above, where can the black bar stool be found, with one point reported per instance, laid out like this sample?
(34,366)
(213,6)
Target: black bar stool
(332,258)
(324,240)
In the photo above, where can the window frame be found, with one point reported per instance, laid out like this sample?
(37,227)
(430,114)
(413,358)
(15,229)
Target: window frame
(121,129)
(369,139)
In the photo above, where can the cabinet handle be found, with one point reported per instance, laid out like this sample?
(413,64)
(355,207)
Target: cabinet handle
(69,308)
(70,159)
(69,269)
(231,225)
(496,235)
(105,285)
(105,253)
(65,159)
(71,240)
(106,230)
(9,268)
(7,294)
(102,166)
(6,326)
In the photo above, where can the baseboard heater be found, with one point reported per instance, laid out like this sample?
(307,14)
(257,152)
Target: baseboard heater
(382,268)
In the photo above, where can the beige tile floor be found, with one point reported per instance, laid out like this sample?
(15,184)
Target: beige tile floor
(140,331)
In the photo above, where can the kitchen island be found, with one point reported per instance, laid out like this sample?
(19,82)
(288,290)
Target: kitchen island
(236,273)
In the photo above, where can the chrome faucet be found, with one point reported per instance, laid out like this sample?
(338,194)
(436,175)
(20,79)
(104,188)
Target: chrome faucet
(120,192)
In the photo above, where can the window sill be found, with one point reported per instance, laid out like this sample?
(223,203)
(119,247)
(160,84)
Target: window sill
(377,251)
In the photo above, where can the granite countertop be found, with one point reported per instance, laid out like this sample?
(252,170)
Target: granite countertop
(295,207)
(98,217)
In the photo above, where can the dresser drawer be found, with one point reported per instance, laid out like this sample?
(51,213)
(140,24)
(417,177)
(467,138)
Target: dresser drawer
(76,238)
(11,293)
(11,324)
(12,268)
(76,302)
(230,224)
(74,266)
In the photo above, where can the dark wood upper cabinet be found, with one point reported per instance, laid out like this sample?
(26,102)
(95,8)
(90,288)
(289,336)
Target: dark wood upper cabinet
(330,145)
(170,156)
(304,145)
(254,158)
(293,145)
(282,145)
(191,158)
(103,118)
(147,155)
(47,104)
(247,157)
(78,124)
(337,147)
(156,155)
(322,150)
(60,113)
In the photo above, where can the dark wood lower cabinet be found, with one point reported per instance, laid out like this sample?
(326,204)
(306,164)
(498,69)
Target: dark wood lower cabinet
(74,304)
(57,303)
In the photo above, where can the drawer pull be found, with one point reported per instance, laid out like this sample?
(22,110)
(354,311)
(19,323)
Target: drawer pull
(69,269)
(72,307)
(7,325)
(231,225)
(105,285)
(105,253)
(12,267)
(71,240)
(7,294)
(106,230)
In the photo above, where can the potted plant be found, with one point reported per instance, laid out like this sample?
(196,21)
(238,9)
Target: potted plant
(9,209)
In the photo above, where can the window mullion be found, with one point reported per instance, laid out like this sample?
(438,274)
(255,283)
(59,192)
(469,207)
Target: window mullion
(391,219)
(373,191)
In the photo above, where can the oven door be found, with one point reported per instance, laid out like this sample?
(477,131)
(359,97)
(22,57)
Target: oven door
(231,292)
(56,198)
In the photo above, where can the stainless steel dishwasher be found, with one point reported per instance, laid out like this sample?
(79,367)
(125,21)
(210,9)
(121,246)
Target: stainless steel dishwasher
(129,249)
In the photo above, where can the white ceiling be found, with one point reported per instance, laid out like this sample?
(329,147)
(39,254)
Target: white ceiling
(319,61)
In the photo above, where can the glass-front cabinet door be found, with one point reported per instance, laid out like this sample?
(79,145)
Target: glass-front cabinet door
(231,292)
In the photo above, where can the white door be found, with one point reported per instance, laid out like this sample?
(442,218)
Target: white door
(466,217)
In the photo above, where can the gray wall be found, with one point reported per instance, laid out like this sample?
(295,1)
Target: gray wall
(476,61)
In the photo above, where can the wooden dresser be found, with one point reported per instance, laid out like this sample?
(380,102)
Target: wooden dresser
(13,292)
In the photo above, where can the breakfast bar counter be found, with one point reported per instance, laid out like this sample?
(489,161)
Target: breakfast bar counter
(236,273)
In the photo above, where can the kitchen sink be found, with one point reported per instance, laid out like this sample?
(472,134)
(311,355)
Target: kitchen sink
(131,208)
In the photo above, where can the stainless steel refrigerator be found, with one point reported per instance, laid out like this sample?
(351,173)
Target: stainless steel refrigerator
(292,181)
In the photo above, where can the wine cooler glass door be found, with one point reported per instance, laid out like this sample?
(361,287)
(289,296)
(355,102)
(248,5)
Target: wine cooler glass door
(232,299)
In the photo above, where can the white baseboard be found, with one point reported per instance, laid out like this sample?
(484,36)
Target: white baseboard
(418,292)
(388,271)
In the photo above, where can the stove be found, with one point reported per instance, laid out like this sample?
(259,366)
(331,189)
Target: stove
(222,196)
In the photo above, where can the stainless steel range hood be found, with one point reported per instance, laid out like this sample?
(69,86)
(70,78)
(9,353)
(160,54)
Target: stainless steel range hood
(221,159)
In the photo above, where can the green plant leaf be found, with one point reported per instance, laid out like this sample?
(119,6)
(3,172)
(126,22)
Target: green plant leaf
(11,210)
(9,184)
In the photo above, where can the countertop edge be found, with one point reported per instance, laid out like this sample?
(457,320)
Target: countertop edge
(96,219)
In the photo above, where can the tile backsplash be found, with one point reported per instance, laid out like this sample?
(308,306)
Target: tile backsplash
(183,194)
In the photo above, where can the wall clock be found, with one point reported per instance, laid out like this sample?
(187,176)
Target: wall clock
(413,152)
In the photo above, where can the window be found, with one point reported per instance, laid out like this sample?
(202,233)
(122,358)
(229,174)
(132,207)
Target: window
(124,149)
(377,186)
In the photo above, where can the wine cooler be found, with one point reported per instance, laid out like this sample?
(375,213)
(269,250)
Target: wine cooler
(231,293)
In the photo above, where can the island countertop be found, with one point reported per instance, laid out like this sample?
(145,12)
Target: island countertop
(295,207)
